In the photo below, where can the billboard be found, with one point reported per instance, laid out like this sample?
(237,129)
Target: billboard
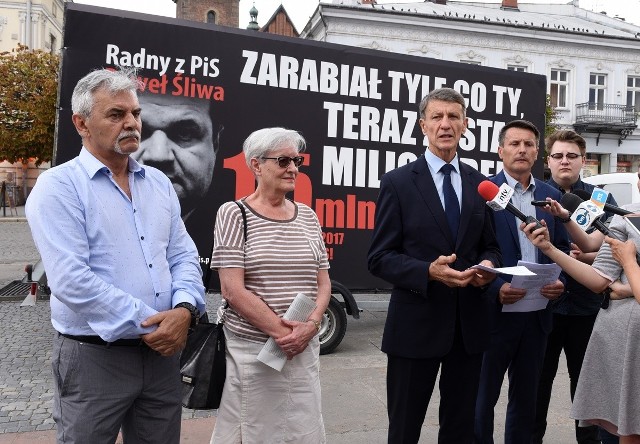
(206,88)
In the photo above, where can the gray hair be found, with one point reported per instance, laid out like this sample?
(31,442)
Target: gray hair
(113,81)
(444,95)
(261,142)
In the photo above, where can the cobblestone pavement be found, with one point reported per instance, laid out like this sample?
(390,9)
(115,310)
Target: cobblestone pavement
(26,386)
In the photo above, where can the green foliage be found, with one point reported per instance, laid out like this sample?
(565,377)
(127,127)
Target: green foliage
(28,93)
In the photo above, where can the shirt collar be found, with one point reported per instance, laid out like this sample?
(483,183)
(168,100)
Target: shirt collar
(435,163)
(517,186)
(92,165)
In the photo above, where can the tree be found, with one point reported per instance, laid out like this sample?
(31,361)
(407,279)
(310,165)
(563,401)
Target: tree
(28,93)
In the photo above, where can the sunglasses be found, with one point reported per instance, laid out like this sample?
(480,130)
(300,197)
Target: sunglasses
(284,161)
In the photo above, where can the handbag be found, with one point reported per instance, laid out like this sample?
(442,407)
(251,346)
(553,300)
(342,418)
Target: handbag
(203,362)
(203,367)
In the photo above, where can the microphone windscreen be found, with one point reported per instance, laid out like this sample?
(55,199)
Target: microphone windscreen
(488,190)
(571,202)
(582,194)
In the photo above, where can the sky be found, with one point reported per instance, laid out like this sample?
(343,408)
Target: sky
(300,10)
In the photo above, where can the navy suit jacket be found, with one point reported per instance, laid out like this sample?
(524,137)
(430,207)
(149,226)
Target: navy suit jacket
(507,227)
(411,231)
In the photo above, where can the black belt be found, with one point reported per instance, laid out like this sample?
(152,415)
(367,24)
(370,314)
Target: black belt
(97,340)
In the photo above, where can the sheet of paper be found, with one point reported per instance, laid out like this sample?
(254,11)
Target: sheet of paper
(299,310)
(515,271)
(533,300)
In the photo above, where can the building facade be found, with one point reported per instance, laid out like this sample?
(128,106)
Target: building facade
(591,61)
(220,12)
(38,25)
(35,23)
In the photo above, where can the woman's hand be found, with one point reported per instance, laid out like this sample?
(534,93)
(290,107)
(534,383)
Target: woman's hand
(623,252)
(620,290)
(540,237)
(296,342)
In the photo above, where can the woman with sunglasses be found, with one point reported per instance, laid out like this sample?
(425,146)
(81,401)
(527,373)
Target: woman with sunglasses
(283,255)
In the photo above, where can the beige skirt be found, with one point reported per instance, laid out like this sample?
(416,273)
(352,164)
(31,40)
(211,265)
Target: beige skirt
(262,405)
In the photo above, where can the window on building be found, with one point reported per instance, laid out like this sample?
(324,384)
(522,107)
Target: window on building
(633,92)
(52,43)
(211,17)
(54,10)
(597,90)
(518,68)
(559,87)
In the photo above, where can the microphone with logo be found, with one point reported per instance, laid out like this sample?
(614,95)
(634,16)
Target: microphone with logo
(499,199)
(584,195)
(586,215)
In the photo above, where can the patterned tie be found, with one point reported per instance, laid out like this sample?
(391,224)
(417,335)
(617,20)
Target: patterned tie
(451,204)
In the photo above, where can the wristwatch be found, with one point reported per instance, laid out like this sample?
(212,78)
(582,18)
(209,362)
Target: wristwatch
(195,313)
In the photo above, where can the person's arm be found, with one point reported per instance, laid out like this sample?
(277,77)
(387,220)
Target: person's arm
(302,332)
(57,221)
(186,286)
(625,254)
(580,271)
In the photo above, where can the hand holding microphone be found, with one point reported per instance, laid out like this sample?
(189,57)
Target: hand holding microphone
(500,199)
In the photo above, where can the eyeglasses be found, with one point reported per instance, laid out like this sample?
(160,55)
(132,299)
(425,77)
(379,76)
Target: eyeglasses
(284,161)
(569,156)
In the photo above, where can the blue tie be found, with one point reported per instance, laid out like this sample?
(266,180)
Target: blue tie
(451,204)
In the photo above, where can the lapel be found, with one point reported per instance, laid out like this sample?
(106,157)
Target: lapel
(427,188)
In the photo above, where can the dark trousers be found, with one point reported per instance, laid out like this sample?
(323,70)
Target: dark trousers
(100,390)
(572,334)
(410,383)
(518,343)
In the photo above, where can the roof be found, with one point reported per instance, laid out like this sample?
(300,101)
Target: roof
(562,17)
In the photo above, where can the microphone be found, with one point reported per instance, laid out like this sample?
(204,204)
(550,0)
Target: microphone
(500,199)
(584,195)
(572,202)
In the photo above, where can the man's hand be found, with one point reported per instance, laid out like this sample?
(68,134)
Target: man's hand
(509,295)
(483,277)
(620,290)
(553,291)
(171,335)
(439,270)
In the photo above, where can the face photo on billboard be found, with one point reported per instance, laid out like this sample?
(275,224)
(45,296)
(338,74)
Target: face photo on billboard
(179,137)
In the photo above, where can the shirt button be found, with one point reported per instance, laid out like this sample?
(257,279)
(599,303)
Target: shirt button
(141,237)
(157,294)
(150,265)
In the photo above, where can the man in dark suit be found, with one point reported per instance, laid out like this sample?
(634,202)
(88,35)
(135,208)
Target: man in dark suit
(437,317)
(518,339)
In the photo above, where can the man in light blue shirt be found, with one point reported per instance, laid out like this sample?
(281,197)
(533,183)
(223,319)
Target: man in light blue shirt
(125,279)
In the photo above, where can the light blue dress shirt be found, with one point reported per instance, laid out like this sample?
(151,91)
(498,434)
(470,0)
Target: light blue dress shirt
(521,199)
(435,163)
(111,262)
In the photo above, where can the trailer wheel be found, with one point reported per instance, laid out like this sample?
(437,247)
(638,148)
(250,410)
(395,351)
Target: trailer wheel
(333,326)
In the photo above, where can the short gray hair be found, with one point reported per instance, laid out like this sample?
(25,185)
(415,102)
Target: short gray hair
(261,142)
(444,95)
(114,81)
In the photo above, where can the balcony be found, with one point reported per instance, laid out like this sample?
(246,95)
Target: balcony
(605,118)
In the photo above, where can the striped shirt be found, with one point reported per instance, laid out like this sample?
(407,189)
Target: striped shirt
(281,258)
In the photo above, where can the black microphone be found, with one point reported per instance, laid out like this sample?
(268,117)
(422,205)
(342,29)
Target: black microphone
(489,191)
(584,195)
